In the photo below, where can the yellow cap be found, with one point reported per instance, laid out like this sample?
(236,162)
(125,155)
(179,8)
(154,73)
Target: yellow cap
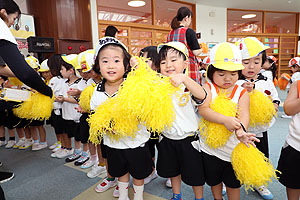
(226,56)
(86,60)
(251,47)
(32,62)
(176,45)
(71,59)
(44,66)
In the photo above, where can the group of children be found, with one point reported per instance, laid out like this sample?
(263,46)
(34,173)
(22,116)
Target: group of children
(184,154)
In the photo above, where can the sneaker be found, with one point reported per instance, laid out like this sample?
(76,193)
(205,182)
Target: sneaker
(223,189)
(64,153)
(81,160)
(116,192)
(285,116)
(168,183)
(150,177)
(6,176)
(105,185)
(96,171)
(56,148)
(39,146)
(264,192)
(10,144)
(54,145)
(2,143)
(21,142)
(28,143)
(73,157)
(89,164)
(53,155)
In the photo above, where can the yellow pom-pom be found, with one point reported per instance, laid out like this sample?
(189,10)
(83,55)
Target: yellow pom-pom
(261,109)
(38,108)
(85,98)
(216,135)
(144,98)
(251,167)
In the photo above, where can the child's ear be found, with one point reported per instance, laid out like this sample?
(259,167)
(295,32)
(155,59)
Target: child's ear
(186,64)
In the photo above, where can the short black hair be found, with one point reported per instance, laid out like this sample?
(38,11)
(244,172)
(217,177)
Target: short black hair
(152,54)
(164,50)
(111,31)
(212,69)
(54,63)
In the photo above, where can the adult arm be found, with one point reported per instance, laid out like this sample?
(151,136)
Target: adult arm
(15,61)
(291,105)
(192,41)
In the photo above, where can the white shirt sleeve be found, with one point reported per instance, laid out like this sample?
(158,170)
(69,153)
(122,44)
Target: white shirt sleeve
(5,33)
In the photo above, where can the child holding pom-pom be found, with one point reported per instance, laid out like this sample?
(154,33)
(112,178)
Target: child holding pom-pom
(178,155)
(289,160)
(225,115)
(264,100)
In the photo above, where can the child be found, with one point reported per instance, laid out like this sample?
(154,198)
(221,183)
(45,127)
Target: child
(69,113)
(177,159)
(269,68)
(127,156)
(205,63)
(289,160)
(222,75)
(151,55)
(253,59)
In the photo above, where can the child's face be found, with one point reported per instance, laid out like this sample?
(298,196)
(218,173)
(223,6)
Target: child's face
(111,63)
(149,61)
(173,64)
(66,73)
(46,75)
(252,67)
(85,75)
(267,65)
(294,68)
(225,79)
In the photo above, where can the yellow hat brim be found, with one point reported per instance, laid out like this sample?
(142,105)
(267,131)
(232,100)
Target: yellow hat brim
(229,66)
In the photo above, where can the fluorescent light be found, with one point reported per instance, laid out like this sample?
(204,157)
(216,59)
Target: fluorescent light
(136,3)
(249,16)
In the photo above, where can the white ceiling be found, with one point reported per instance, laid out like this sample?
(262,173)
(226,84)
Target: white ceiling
(272,5)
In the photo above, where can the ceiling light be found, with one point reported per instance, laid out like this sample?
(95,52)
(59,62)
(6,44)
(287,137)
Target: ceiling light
(249,16)
(136,3)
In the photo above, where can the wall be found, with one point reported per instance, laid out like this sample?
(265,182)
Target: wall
(23,5)
(299,35)
(212,23)
(94,18)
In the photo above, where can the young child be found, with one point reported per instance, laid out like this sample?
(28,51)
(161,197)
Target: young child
(289,160)
(128,156)
(151,55)
(205,63)
(269,68)
(177,158)
(253,59)
(222,75)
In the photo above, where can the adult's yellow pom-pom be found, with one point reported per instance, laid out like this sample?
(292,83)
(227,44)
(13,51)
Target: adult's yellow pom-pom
(38,108)
(251,167)
(261,109)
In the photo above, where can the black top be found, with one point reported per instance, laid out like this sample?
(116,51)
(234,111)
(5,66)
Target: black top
(2,63)
(191,39)
(15,61)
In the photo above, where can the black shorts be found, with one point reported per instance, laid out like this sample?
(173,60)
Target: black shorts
(12,121)
(152,142)
(2,117)
(57,122)
(72,129)
(177,157)
(84,128)
(217,171)
(103,150)
(137,162)
(263,145)
(288,165)
(37,123)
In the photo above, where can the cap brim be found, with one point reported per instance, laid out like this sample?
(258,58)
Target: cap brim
(159,47)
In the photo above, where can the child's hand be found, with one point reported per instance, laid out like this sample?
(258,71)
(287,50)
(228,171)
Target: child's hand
(246,138)
(59,98)
(248,85)
(177,79)
(73,92)
(134,63)
(276,106)
(232,123)
(79,109)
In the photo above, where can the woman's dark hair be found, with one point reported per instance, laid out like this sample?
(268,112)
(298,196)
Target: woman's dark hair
(273,67)
(126,58)
(10,7)
(152,54)
(164,50)
(211,70)
(111,31)
(181,14)
(54,63)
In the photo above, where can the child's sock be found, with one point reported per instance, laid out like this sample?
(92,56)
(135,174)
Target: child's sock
(138,192)
(176,196)
(12,138)
(59,142)
(123,190)
(77,151)
(43,142)
(36,141)
(85,154)
(199,199)
(94,157)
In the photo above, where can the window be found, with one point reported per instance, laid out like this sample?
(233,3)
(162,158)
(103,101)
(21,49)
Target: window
(280,22)
(244,21)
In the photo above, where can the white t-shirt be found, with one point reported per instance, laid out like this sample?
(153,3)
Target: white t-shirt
(90,82)
(56,84)
(142,136)
(295,77)
(68,109)
(224,153)
(267,73)
(263,85)
(82,85)
(5,33)
(186,121)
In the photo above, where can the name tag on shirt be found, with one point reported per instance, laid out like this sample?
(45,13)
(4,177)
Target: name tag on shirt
(10,94)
